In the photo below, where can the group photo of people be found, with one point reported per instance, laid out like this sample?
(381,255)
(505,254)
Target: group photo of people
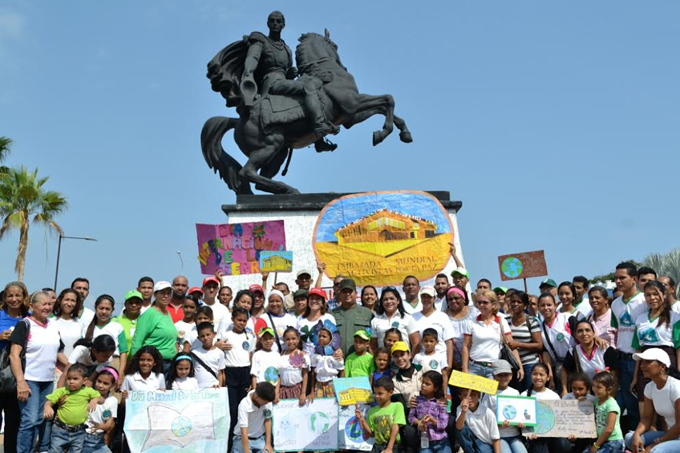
(69,368)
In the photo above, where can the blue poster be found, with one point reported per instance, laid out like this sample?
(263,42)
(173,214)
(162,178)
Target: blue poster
(190,421)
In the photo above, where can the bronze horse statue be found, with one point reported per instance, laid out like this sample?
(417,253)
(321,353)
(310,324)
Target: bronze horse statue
(269,128)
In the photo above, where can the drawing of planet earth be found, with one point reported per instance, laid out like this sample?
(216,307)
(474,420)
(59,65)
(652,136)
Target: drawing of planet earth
(353,430)
(545,419)
(319,422)
(512,267)
(271,374)
(509,412)
(181,426)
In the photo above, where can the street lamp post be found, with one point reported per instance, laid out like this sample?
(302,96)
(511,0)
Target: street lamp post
(61,236)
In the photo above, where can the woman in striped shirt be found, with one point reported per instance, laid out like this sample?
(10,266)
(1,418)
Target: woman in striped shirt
(526,335)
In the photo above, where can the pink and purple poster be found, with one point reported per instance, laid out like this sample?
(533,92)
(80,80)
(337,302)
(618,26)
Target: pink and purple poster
(235,248)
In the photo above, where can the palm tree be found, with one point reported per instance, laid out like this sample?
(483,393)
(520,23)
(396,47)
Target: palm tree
(24,201)
(665,264)
(4,151)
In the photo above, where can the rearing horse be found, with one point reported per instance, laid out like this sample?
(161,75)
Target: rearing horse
(267,145)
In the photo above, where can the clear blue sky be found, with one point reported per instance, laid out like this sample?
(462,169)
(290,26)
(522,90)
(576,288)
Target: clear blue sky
(556,124)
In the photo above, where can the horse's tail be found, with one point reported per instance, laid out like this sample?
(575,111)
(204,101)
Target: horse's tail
(211,144)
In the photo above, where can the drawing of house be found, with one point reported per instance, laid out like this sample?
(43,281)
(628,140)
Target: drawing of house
(385,226)
(276,262)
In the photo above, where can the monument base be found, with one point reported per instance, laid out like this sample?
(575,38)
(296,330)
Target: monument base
(300,213)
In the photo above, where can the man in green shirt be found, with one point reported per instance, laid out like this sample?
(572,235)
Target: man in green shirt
(128,319)
(349,317)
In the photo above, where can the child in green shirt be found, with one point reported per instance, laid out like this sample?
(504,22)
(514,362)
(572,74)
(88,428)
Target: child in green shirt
(74,401)
(607,414)
(360,362)
(384,420)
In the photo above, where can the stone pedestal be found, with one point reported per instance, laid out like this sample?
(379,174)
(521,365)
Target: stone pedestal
(300,213)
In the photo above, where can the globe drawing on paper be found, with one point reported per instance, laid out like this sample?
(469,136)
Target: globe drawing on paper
(181,426)
(545,419)
(510,412)
(512,267)
(353,430)
(319,422)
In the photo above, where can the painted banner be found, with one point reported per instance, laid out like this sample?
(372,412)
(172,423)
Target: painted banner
(235,247)
(353,390)
(312,427)
(473,382)
(378,238)
(522,265)
(516,410)
(193,421)
(562,418)
(351,436)
(276,261)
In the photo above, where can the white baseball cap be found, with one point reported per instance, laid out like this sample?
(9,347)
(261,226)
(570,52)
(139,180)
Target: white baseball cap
(428,290)
(654,354)
(160,286)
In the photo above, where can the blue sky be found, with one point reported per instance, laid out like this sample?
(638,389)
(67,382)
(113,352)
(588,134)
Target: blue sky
(555,123)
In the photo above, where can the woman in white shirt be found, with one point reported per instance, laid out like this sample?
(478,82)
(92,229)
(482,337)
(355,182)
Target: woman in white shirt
(662,398)
(482,338)
(65,313)
(556,335)
(460,313)
(101,324)
(390,314)
(276,318)
(316,311)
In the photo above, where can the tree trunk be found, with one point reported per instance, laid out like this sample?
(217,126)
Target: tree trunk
(21,252)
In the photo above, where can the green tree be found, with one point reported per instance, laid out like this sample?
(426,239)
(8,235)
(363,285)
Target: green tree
(665,263)
(4,151)
(23,201)
(610,276)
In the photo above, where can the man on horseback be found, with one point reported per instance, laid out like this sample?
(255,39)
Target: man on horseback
(269,65)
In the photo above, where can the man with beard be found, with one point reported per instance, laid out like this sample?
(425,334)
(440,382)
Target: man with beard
(441,285)
(180,285)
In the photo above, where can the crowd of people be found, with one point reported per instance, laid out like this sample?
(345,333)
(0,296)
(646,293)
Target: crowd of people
(73,368)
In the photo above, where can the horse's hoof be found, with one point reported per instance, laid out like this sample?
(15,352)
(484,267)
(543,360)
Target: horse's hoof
(406,137)
(377,138)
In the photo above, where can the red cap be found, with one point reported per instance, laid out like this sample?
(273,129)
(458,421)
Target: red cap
(318,292)
(256,289)
(195,289)
(211,278)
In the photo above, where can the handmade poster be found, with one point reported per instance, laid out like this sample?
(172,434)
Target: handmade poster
(354,390)
(522,265)
(350,434)
(473,382)
(193,421)
(280,261)
(516,410)
(235,247)
(378,238)
(312,427)
(562,418)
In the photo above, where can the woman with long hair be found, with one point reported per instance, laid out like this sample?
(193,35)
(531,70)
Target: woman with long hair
(390,313)
(65,313)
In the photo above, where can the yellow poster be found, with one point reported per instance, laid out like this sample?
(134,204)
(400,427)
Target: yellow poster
(378,238)
(474,382)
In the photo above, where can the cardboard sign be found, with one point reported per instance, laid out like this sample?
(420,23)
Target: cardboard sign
(351,435)
(276,261)
(562,418)
(378,238)
(193,421)
(473,382)
(312,427)
(352,391)
(522,265)
(516,410)
(235,248)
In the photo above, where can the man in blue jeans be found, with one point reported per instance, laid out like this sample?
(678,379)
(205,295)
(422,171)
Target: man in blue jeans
(625,310)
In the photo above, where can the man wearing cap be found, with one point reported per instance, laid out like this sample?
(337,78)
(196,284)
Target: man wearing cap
(131,312)
(548,286)
(196,292)
(180,285)
(349,317)
(304,279)
(211,285)
(333,303)
(500,293)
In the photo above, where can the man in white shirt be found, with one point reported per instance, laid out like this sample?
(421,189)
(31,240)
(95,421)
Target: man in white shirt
(625,310)
(145,288)
(211,285)
(582,303)
(441,285)
(411,287)
(81,285)
(253,430)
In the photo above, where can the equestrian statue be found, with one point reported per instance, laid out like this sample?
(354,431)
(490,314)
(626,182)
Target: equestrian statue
(282,107)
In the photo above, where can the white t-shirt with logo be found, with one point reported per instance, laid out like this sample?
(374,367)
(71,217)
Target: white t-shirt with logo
(434,362)
(220,312)
(559,335)
(624,314)
(265,366)
(381,324)
(649,332)
(101,414)
(213,358)
(438,321)
(243,344)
